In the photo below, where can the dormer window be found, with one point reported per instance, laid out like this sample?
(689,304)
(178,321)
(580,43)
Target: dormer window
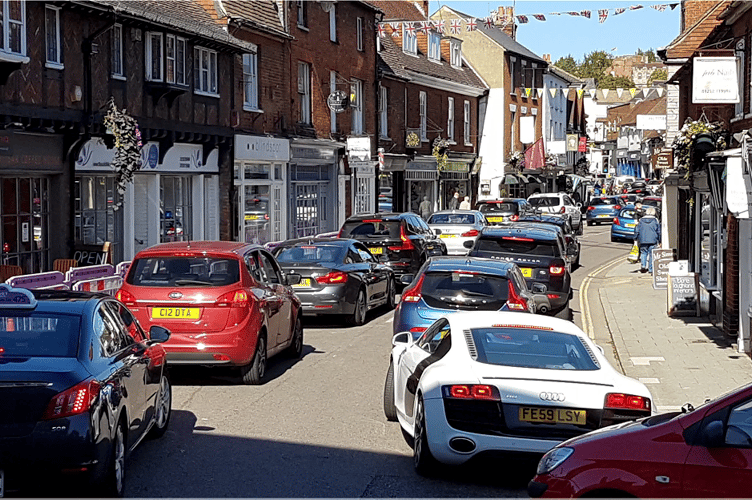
(409,40)
(434,46)
(456,53)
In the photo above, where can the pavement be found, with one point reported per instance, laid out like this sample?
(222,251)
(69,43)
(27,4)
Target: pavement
(680,360)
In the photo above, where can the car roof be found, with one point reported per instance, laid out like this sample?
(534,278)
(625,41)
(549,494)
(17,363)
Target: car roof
(313,241)
(473,212)
(51,301)
(540,225)
(465,320)
(526,231)
(384,216)
(547,219)
(501,200)
(652,198)
(464,263)
(198,247)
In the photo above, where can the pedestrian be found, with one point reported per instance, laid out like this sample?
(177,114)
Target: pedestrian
(647,235)
(425,208)
(639,211)
(465,205)
(454,203)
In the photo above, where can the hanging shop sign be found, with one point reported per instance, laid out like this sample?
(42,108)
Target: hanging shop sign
(359,148)
(572,142)
(738,188)
(663,160)
(412,140)
(714,80)
(582,145)
(338,101)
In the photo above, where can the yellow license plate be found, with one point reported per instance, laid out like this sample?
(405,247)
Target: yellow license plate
(376,251)
(495,219)
(604,215)
(175,312)
(447,235)
(303,283)
(552,415)
(527,272)
(251,217)
(630,225)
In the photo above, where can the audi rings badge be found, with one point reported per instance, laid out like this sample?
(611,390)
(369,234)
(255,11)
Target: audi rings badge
(552,396)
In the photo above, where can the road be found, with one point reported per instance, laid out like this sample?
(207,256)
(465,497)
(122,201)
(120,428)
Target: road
(316,428)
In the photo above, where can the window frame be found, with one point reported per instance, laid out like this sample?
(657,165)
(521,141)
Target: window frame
(409,42)
(357,126)
(740,53)
(304,91)
(455,53)
(466,124)
(117,63)
(211,72)
(333,23)
(450,119)
(176,63)
(332,113)
(6,52)
(359,38)
(434,46)
(302,14)
(58,63)
(423,103)
(383,115)
(250,79)
(149,57)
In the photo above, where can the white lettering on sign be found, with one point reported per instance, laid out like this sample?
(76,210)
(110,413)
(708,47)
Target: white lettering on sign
(85,258)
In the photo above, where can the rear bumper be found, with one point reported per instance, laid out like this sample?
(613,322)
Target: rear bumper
(329,300)
(622,232)
(233,346)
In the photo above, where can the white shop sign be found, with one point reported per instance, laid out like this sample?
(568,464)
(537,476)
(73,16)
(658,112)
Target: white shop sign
(714,80)
(651,122)
(738,188)
(359,148)
(254,147)
(186,158)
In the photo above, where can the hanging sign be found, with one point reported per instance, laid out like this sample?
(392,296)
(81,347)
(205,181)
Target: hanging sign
(714,80)
(338,101)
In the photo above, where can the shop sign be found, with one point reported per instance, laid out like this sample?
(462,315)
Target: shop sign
(302,153)
(359,148)
(412,140)
(338,101)
(582,146)
(456,166)
(651,122)
(663,160)
(714,80)
(572,142)
(661,259)
(95,156)
(6,143)
(188,158)
(363,167)
(255,147)
(738,188)
(32,152)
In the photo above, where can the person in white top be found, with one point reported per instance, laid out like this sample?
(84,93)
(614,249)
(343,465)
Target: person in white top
(465,205)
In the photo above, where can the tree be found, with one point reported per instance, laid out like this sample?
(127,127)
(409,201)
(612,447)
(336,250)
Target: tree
(595,65)
(650,53)
(658,75)
(568,64)
(613,82)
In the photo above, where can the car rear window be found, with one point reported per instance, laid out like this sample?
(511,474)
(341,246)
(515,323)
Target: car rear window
(39,334)
(452,219)
(602,201)
(627,214)
(184,271)
(532,348)
(507,208)
(544,201)
(311,254)
(371,228)
(547,248)
(465,290)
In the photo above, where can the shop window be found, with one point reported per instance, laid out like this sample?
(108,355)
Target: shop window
(205,71)
(53,39)
(176,210)
(24,230)
(96,220)
(13,36)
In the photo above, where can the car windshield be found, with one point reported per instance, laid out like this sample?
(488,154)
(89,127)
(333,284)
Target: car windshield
(452,219)
(311,253)
(38,334)
(512,244)
(507,208)
(532,348)
(544,201)
(465,290)
(185,271)
(370,228)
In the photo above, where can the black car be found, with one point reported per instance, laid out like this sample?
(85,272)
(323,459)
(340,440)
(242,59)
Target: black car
(81,385)
(573,245)
(540,253)
(504,210)
(401,241)
(338,276)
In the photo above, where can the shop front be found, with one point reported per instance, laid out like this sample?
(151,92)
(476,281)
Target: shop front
(421,180)
(313,187)
(455,177)
(391,183)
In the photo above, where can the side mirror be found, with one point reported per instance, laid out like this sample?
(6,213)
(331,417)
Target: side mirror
(402,338)
(406,279)
(600,349)
(293,278)
(468,244)
(712,435)
(159,334)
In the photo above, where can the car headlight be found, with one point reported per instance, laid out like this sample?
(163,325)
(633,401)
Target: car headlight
(553,459)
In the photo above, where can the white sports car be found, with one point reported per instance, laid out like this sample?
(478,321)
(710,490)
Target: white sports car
(478,382)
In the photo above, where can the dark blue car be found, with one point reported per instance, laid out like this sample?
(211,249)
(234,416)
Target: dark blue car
(624,224)
(81,384)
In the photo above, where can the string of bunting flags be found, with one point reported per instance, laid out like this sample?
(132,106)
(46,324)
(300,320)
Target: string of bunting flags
(593,93)
(454,27)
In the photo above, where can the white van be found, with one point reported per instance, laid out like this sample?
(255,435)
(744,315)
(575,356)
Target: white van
(621,179)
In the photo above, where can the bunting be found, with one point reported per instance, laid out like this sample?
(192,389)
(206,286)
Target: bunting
(635,7)
(619,92)
(488,23)
(409,28)
(552,91)
(527,91)
(585,13)
(539,17)
(439,25)
(396,30)
(539,91)
(425,27)
(659,8)
(381,29)
(632,92)
(605,93)
(592,93)
(522,19)
(455,26)
(660,91)
(573,13)
(471,25)
(673,5)
(580,92)
(619,11)
(602,15)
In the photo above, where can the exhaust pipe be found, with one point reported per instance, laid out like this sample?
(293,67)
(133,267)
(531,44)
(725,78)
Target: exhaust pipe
(543,309)
(462,445)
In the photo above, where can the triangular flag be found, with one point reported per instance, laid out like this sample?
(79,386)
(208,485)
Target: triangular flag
(660,8)
(646,93)
(580,92)
(673,5)
(619,11)
(633,92)
(635,7)
(396,30)
(585,13)
(471,25)
(527,91)
(488,23)
(409,28)
(602,15)
(522,19)
(605,93)
(573,13)
(592,93)
(660,91)
(382,29)
(539,17)
(539,91)
(455,26)
(439,25)
(619,92)
(552,91)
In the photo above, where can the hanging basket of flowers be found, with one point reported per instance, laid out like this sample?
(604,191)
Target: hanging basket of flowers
(517,161)
(127,146)
(691,131)
(439,152)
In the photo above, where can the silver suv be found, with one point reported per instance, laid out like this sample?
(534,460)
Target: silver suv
(560,204)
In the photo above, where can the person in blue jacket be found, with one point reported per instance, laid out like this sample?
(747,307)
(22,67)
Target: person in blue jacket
(647,235)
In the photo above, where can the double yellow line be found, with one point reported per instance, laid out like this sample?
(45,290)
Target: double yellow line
(587,320)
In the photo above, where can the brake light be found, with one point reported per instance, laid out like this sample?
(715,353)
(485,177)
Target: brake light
(514,301)
(125,297)
(333,278)
(626,401)
(73,401)
(413,294)
(418,329)
(339,234)
(516,238)
(556,270)
(407,244)
(480,392)
(472,232)
(590,208)
(617,207)
(514,218)
(235,298)
(562,210)
(371,220)
(616,221)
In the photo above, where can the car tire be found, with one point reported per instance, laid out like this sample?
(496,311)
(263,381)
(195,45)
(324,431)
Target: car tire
(390,410)
(407,437)
(253,373)
(580,229)
(424,462)
(590,223)
(391,292)
(613,238)
(358,316)
(113,482)
(295,350)
(163,410)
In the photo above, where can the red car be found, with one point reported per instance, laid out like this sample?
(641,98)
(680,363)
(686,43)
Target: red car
(225,303)
(704,452)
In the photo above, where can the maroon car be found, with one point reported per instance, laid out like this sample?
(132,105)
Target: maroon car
(704,452)
(225,303)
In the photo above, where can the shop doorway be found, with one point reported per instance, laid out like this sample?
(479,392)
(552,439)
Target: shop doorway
(176,210)
(24,231)
(97,220)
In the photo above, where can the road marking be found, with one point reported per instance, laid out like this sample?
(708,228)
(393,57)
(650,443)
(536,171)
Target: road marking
(587,320)
(649,380)
(645,360)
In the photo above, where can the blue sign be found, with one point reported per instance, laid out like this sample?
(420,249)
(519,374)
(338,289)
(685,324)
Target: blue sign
(153,156)
(16,298)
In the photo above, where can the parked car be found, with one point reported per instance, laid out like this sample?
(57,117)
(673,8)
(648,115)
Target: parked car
(449,284)
(704,452)
(503,210)
(226,303)
(558,203)
(338,276)
(655,202)
(401,241)
(655,187)
(456,227)
(602,210)
(573,245)
(81,385)
(623,225)
(541,254)
(629,199)
(481,382)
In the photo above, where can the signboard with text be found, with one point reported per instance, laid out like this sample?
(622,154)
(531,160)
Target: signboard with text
(714,80)
(682,295)
(661,258)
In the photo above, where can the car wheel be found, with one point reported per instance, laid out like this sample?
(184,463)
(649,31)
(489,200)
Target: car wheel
(296,346)
(163,409)
(425,464)
(359,313)
(590,223)
(407,437)
(613,238)
(391,291)
(390,410)
(113,482)
(254,372)
(580,229)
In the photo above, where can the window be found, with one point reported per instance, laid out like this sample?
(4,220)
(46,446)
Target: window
(383,117)
(450,119)
(409,40)
(205,71)
(434,46)
(513,144)
(739,107)
(117,51)
(423,116)
(250,81)
(466,127)
(154,57)
(514,64)
(332,89)
(356,104)
(13,36)
(739,428)
(333,23)
(175,55)
(525,72)
(302,14)
(304,91)
(52,31)
(456,53)
(359,34)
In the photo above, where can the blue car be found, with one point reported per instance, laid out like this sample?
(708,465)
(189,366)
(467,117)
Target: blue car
(448,284)
(624,224)
(602,210)
(81,385)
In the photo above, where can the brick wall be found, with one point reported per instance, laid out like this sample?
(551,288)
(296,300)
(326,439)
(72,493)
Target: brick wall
(693,10)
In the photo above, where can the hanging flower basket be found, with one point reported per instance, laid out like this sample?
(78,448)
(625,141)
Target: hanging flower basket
(517,161)
(127,146)
(439,152)
(688,133)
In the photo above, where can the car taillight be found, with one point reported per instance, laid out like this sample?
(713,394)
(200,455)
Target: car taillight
(472,232)
(616,221)
(126,298)
(413,294)
(333,278)
(407,244)
(617,207)
(418,329)
(235,298)
(339,234)
(514,301)
(556,269)
(562,210)
(626,402)
(471,391)
(514,218)
(590,208)
(73,401)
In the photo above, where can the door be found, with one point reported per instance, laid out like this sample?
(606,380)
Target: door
(255,218)
(281,304)
(375,275)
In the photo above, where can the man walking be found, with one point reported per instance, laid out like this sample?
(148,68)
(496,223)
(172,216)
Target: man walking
(425,208)
(454,203)
(647,235)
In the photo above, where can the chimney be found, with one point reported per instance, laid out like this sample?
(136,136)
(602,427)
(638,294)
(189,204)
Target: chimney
(505,20)
(693,10)
(547,58)
(214,10)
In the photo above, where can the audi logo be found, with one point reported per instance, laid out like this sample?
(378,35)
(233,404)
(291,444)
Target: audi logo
(552,396)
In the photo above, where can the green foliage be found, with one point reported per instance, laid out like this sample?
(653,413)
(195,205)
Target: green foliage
(659,74)
(595,65)
(650,53)
(613,82)
(568,64)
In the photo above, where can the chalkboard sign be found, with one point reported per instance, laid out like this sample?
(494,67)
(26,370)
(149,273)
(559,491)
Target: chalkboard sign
(682,295)
(91,255)
(661,258)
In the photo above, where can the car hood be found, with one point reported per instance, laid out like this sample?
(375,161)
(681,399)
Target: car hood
(667,424)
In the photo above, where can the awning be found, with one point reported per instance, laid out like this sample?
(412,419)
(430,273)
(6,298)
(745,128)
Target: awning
(512,179)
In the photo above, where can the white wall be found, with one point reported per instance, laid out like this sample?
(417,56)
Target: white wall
(492,143)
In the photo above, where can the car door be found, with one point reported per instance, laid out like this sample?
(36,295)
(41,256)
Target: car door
(432,242)
(280,300)
(265,295)
(375,275)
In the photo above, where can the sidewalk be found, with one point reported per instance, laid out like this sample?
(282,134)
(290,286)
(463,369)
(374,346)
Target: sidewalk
(680,359)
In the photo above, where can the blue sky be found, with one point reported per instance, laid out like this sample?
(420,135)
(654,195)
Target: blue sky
(564,35)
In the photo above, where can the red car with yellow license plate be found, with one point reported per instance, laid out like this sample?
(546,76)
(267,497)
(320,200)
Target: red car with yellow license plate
(226,303)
